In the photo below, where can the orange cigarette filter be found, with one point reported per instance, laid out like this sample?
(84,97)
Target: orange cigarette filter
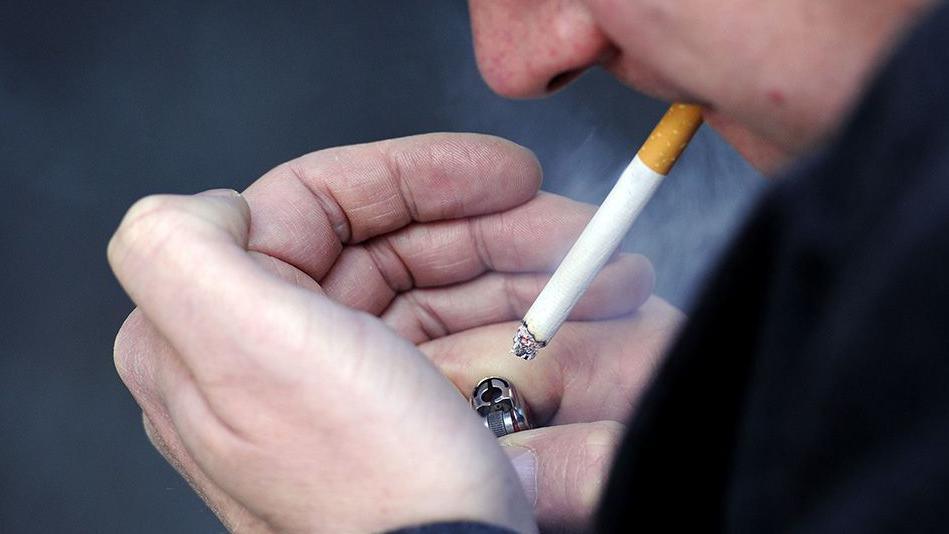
(670,137)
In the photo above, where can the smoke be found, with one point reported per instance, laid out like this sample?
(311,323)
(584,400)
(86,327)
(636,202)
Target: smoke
(585,135)
(691,217)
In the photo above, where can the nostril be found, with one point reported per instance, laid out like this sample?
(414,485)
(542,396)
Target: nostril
(562,79)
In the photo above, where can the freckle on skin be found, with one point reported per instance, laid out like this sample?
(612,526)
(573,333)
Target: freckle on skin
(776,97)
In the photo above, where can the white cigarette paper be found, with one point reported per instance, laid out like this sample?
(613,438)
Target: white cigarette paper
(592,250)
(606,230)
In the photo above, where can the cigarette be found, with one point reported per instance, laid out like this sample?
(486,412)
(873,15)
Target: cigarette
(606,230)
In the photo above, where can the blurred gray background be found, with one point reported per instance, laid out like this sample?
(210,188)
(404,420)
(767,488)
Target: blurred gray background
(105,102)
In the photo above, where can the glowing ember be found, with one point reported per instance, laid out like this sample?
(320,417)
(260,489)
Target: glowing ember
(525,344)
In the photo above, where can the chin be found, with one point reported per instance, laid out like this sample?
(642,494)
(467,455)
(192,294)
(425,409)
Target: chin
(763,155)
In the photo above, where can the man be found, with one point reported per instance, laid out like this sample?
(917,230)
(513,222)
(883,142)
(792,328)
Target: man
(291,344)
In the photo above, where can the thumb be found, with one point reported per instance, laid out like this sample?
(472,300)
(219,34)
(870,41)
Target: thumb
(564,469)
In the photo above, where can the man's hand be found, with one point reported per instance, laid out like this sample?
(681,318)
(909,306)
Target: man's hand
(581,389)
(268,379)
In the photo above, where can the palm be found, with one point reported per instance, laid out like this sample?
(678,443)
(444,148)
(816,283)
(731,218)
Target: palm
(453,276)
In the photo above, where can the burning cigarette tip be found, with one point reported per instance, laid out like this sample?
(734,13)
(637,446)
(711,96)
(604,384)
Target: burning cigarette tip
(525,344)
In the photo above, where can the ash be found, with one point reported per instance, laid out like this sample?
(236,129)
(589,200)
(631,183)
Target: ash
(525,344)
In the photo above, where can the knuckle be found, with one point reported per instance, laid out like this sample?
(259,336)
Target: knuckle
(146,227)
(147,212)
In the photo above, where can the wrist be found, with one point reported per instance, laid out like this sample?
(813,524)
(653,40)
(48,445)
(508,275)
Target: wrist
(494,498)
(470,480)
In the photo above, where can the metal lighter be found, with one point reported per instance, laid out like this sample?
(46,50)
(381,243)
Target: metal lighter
(499,405)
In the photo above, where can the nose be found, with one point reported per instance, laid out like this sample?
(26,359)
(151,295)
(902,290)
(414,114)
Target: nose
(531,48)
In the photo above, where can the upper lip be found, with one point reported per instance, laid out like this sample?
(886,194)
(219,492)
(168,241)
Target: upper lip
(661,89)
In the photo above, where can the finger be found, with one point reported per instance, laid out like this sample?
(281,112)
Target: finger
(590,371)
(248,338)
(423,314)
(306,209)
(139,349)
(267,355)
(182,260)
(286,272)
(531,238)
(564,470)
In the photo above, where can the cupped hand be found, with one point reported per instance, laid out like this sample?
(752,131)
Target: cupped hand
(268,379)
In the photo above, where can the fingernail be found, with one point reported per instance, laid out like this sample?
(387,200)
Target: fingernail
(525,465)
(219,193)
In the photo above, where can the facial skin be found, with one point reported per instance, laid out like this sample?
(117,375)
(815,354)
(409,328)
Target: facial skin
(775,77)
